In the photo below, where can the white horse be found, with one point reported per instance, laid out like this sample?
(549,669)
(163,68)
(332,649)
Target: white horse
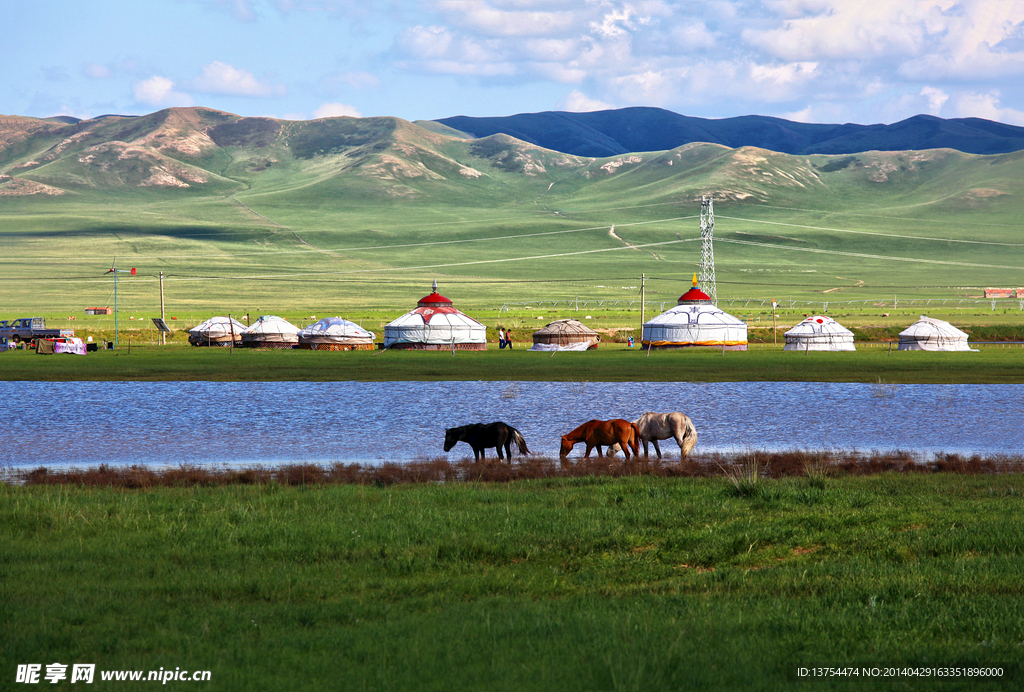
(663,426)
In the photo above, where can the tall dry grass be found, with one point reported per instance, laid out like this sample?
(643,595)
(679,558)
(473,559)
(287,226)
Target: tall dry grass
(744,470)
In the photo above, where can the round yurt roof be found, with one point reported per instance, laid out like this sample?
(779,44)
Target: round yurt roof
(695,321)
(819,333)
(694,296)
(565,333)
(434,321)
(566,328)
(335,330)
(695,325)
(271,327)
(929,334)
(219,326)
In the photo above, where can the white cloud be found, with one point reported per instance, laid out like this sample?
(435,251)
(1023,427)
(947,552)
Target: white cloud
(94,71)
(159,91)
(336,110)
(221,78)
(783,75)
(614,24)
(839,60)
(481,16)
(936,99)
(987,106)
(426,42)
(578,102)
(436,49)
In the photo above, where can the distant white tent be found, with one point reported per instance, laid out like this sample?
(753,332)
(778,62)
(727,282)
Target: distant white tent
(217,331)
(819,333)
(928,334)
(695,322)
(435,325)
(336,334)
(271,331)
(565,335)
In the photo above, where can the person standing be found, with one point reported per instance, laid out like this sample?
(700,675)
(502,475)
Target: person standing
(508,339)
(501,337)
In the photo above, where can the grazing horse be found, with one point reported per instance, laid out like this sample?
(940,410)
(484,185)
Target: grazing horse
(664,426)
(482,435)
(595,433)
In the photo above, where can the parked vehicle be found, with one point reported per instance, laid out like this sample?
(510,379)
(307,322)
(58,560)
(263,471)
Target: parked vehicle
(30,329)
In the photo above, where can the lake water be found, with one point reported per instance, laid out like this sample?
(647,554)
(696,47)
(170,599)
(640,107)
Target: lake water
(169,423)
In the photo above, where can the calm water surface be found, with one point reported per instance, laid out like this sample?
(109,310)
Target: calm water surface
(169,423)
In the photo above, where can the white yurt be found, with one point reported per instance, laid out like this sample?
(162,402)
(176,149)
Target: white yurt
(819,333)
(695,322)
(271,331)
(336,334)
(928,334)
(565,335)
(434,326)
(217,331)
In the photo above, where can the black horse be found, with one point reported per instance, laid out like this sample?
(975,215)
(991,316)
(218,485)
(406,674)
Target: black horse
(482,435)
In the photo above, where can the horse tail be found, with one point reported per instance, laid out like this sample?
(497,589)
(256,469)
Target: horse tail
(636,437)
(519,440)
(689,437)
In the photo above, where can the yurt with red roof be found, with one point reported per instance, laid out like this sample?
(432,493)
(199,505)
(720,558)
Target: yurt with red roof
(695,322)
(435,326)
(819,333)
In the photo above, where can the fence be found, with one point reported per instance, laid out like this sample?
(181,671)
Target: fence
(581,303)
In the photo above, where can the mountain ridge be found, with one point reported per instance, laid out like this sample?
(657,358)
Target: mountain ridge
(637,129)
(359,161)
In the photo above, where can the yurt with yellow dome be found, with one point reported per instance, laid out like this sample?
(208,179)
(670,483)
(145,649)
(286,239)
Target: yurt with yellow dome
(435,325)
(695,323)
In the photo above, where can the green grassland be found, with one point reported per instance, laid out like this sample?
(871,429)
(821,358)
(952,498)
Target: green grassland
(590,583)
(613,362)
(364,214)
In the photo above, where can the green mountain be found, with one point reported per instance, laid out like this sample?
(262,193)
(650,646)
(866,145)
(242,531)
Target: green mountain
(212,152)
(625,130)
(257,212)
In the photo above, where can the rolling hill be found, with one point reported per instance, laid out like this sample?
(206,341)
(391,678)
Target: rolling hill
(263,214)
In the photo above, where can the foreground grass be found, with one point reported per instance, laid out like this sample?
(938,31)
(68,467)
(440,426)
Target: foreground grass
(611,362)
(585,583)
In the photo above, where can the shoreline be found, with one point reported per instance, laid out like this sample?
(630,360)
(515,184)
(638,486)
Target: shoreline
(759,464)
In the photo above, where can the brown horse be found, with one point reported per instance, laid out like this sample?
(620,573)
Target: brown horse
(595,433)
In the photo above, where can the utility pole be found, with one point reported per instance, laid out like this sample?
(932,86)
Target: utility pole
(643,293)
(163,317)
(115,272)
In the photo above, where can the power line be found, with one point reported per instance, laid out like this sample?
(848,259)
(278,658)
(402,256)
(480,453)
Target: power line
(872,233)
(868,256)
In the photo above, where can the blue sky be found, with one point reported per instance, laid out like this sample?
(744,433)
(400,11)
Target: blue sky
(863,61)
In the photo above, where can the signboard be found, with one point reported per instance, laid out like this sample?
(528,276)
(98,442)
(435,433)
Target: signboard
(161,325)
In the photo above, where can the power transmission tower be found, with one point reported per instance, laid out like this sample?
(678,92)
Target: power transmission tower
(706,273)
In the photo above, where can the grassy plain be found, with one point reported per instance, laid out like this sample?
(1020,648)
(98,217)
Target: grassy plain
(567,584)
(310,238)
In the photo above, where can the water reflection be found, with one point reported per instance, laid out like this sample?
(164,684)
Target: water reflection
(160,423)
